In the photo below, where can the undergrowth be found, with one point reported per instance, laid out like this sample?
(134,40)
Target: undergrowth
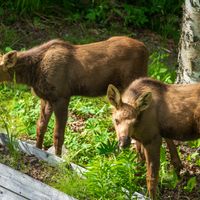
(108,177)
(162,16)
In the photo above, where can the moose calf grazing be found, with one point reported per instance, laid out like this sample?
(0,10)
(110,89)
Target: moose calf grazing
(57,70)
(148,111)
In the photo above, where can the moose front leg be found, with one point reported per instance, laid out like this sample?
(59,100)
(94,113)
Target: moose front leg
(175,159)
(60,109)
(45,115)
(152,155)
(140,150)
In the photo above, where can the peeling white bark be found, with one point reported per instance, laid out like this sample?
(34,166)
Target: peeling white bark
(189,45)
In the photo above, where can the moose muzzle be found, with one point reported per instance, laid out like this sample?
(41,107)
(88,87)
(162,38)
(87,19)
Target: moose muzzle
(124,141)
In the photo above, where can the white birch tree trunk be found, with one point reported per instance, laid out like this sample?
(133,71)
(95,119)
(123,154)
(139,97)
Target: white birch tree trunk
(189,44)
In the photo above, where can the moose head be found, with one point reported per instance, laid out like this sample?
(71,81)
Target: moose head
(126,116)
(7,61)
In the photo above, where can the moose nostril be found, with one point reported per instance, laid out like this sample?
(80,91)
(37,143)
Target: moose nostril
(124,141)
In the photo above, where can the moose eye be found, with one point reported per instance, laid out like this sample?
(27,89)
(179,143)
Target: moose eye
(116,121)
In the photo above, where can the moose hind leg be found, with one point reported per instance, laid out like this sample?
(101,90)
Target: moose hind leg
(45,115)
(60,109)
(175,159)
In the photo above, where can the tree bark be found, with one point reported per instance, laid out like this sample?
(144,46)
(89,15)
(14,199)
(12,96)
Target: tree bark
(189,44)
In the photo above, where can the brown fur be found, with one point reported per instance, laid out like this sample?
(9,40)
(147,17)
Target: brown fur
(150,110)
(57,70)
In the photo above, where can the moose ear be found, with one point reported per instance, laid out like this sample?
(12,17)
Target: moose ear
(114,96)
(143,101)
(9,60)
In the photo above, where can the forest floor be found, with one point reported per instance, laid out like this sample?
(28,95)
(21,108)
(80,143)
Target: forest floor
(25,33)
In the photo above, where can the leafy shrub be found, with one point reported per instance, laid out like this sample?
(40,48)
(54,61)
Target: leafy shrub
(135,15)
(160,15)
(20,108)
(109,176)
(8,37)
(28,5)
(159,70)
(106,148)
(98,13)
(191,184)
(168,177)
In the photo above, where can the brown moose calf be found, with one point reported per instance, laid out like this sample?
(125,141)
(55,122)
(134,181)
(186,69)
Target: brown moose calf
(57,70)
(149,110)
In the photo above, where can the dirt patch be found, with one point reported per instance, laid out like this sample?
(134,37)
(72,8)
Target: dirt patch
(179,193)
(77,124)
(190,170)
(29,165)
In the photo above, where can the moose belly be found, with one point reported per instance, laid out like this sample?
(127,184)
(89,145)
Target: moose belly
(188,133)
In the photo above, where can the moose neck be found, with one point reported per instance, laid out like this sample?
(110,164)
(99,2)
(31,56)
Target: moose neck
(24,71)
